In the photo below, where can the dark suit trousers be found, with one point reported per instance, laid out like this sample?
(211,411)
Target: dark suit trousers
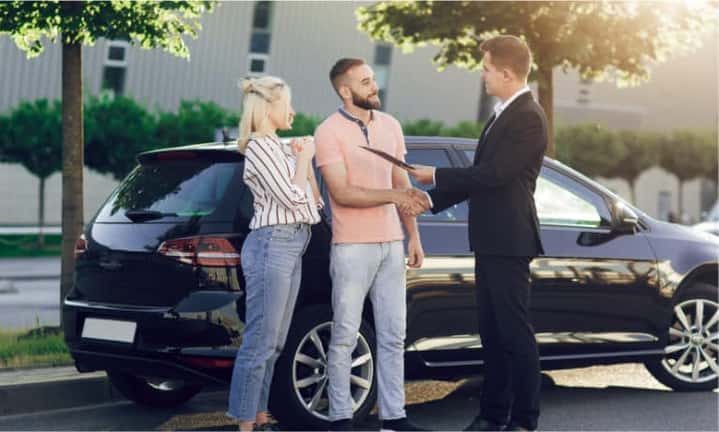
(511,361)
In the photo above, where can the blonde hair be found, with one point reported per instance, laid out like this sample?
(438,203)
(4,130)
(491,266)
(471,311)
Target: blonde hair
(259,95)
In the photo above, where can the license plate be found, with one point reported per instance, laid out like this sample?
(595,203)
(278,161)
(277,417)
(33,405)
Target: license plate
(110,330)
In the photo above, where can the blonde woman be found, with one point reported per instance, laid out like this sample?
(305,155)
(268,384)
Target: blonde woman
(286,204)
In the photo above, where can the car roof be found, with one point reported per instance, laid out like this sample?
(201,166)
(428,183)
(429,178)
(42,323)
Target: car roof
(416,141)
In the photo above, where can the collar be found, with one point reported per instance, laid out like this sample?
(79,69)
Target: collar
(352,118)
(503,105)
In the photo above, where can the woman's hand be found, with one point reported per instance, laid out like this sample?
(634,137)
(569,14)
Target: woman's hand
(303,147)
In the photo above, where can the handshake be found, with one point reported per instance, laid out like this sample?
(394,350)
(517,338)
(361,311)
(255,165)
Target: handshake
(411,201)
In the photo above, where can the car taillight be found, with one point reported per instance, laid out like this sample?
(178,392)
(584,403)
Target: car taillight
(201,251)
(80,246)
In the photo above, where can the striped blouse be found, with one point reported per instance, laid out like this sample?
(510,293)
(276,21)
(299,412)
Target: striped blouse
(269,169)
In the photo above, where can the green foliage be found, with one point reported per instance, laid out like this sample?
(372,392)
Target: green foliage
(427,127)
(589,148)
(116,130)
(34,348)
(689,154)
(26,245)
(641,152)
(423,127)
(301,125)
(464,129)
(194,122)
(31,135)
(146,23)
(601,39)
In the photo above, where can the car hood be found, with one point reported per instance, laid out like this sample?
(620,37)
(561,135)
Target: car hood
(709,227)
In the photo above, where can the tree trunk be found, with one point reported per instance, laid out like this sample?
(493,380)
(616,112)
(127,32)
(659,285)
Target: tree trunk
(41,214)
(633,191)
(545,84)
(680,197)
(72,156)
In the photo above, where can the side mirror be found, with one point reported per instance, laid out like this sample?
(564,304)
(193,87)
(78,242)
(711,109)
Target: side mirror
(626,220)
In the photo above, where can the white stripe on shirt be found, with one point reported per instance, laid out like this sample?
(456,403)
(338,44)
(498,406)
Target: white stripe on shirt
(268,173)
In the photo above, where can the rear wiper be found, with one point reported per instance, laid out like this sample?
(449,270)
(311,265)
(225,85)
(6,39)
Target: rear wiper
(146,215)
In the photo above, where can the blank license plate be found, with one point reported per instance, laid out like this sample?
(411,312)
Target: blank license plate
(111,330)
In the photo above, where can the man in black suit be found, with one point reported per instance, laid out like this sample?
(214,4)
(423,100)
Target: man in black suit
(503,233)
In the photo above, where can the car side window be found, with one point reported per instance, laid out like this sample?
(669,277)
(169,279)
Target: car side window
(438,158)
(561,201)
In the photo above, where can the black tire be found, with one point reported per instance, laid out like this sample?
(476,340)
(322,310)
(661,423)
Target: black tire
(146,392)
(658,367)
(286,404)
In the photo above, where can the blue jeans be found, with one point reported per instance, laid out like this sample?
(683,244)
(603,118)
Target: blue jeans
(272,266)
(359,269)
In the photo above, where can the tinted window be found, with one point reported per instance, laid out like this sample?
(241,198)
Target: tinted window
(563,202)
(187,188)
(437,158)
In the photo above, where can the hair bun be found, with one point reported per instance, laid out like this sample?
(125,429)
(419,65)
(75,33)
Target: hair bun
(247,85)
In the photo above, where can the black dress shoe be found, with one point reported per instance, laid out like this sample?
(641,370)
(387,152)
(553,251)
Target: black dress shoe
(401,424)
(482,424)
(342,425)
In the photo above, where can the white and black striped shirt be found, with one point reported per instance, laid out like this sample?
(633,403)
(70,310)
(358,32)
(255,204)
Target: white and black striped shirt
(269,169)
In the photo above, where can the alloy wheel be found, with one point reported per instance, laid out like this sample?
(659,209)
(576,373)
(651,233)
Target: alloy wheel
(310,375)
(691,354)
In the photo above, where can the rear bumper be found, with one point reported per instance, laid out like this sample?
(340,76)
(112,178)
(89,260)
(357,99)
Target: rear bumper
(140,365)
(196,340)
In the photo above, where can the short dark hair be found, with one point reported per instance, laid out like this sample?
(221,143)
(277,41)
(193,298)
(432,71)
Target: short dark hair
(509,52)
(341,67)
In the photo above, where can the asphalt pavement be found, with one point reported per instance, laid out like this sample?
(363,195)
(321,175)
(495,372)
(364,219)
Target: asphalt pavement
(29,292)
(622,397)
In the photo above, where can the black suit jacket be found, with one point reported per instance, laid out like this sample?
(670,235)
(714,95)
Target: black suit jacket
(500,184)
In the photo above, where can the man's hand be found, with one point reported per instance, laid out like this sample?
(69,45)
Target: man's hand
(415,254)
(423,174)
(412,201)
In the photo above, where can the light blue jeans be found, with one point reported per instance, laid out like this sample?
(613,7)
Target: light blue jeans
(377,269)
(272,266)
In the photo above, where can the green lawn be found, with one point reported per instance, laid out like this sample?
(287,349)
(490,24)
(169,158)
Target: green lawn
(38,347)
(25,245)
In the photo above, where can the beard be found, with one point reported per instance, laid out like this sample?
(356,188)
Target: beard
(365,103)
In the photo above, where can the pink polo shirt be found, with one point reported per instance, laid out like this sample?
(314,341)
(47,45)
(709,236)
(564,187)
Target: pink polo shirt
(338,140)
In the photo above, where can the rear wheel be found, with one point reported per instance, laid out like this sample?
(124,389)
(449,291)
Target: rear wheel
(299,391)
(690,359)
(153,392)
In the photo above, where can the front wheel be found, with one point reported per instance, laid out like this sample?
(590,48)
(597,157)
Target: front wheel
(690,359)
(153,392)
(298,397)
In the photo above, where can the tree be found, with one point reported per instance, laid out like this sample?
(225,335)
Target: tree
(195,122)
(590,149)
(601,39)
(146,23)
(31,136)
(688,155)
(116,130)
(640,153)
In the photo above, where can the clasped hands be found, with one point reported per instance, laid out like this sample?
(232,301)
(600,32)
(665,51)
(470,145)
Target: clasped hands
(411,201)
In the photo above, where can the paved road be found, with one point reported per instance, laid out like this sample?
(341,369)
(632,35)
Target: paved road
(622,397)
(29,292)
(28,302)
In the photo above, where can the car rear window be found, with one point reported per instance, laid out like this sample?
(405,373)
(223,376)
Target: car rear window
(177,189)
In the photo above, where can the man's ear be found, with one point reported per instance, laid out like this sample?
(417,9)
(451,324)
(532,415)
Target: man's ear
(345,92)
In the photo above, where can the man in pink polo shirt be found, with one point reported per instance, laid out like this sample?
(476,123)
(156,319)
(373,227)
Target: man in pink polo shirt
(367,254)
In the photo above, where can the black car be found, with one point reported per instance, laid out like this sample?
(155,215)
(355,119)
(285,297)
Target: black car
(158,297)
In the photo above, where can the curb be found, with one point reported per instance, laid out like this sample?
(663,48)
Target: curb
(26,391)
(57,394)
